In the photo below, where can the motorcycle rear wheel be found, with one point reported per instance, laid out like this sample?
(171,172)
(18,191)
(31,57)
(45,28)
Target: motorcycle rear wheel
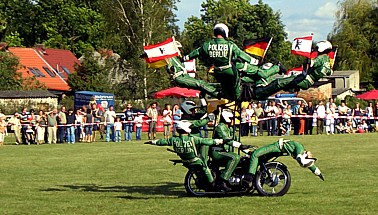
(274,181)
(193,184)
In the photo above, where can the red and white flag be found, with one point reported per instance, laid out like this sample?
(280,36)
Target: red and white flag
(302,46)
(161,51)
(294,71)
(190,67)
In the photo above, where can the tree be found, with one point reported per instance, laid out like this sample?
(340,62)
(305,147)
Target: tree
(355,33)
(92,74)
(10,78)
(134,24)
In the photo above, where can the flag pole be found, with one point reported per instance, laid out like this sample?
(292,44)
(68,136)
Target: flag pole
(174,43)
(270,41)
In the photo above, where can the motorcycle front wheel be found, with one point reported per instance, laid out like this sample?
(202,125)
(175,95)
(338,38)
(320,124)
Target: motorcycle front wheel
(193,184)
(274,180)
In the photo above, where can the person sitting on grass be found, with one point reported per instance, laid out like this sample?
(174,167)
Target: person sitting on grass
(340,128)
(349,128)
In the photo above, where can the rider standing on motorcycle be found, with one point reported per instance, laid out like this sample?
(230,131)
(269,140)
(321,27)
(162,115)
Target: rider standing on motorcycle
(225,155)
(180,76)
(185,145)
(293,148)
(228,60)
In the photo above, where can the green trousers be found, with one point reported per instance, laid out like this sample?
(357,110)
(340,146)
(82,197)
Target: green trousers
(204,153)
(192,83)
(229,80)
(205,170)
(228,159)
(260,152)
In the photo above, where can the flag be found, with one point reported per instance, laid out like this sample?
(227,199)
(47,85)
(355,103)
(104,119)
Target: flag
(157,64)
(331,55)
(302,46)
(190,67)
(161,51)
(257,47)
(294,71)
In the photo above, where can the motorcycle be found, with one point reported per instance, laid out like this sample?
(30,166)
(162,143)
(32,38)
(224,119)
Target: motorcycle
(272,178)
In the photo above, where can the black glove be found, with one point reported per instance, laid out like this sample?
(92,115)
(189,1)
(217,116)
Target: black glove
(144,55)
(283,69)
(243,147)
(151,142)
(321,177)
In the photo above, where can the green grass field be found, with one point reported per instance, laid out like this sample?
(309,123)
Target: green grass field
(132,178)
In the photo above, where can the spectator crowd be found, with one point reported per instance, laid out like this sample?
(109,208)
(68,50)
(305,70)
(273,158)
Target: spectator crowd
(91,122)
(305,119)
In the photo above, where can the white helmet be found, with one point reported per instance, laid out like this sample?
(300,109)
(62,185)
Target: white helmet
(184,125)
(227,115)
(188,106)
(221,29)
(178,44)
(323,46)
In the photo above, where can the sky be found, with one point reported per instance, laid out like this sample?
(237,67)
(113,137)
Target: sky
(300,17)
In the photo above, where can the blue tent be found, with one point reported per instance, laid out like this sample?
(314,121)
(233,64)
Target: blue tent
(83,98)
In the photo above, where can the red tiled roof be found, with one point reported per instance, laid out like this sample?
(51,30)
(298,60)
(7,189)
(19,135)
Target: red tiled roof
(29,58)
(58,58)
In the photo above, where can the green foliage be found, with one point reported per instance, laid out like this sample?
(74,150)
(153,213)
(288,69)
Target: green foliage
(68,102)
(14,39)
(92,74)
(355,33)
(10,78)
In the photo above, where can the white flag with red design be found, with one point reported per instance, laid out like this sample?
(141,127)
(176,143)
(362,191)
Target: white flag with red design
(302,46)
(294,71)
(190,67)
(161,51)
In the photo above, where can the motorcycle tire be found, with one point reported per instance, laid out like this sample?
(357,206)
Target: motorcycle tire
(193,184)
(275,180)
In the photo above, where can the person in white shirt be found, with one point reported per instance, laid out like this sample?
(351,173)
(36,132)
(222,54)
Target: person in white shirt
(321,113)
(369,112)
(271,111)
(109,116)
(167,120)
(138,120)
(117,130)
(249,112)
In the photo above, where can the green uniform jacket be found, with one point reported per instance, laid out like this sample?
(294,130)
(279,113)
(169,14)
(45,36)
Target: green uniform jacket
(185,145)
(222,131)
(220,52)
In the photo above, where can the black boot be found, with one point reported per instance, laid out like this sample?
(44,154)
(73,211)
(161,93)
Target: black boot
(221,184)
(248,179)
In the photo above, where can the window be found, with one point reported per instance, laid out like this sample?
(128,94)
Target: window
(34,72)
(66,70)
(39,72)
(59,73)
(52,74)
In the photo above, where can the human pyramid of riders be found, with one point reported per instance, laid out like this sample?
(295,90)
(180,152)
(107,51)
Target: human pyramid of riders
(240,79)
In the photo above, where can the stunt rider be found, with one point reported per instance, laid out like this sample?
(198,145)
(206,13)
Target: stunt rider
(228,60)
(185,145)
(319,68)
(180,76)
(225,155)
(198,118)
(293,148)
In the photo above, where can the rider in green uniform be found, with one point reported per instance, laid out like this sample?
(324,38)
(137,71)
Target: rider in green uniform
(223,54)
(185,145)
(293,148)
(225,155)
(319,68)
(180,76)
